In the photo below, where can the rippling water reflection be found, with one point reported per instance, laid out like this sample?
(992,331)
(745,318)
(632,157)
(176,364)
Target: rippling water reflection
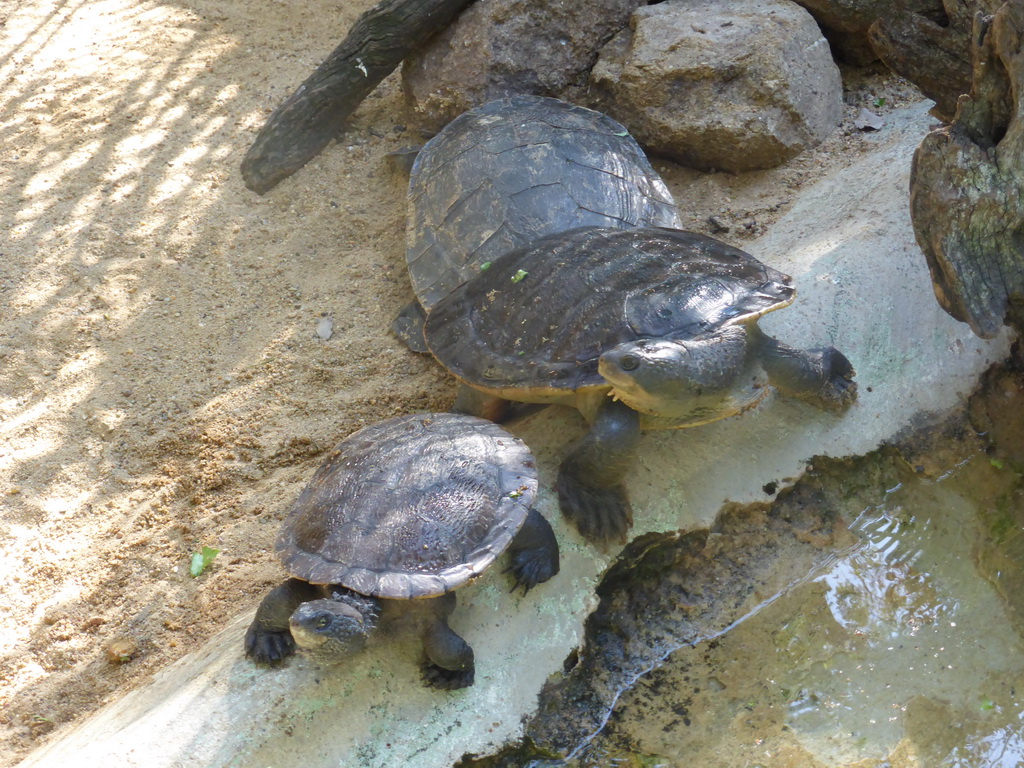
(919,622)
(896,654)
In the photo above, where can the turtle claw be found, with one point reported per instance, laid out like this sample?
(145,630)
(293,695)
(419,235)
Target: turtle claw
(447,679)
(268,647)
(601,515)
(838,390)
(531,567)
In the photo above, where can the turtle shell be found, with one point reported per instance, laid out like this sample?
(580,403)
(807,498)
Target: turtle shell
(414,506)
(539,318)
(499,176)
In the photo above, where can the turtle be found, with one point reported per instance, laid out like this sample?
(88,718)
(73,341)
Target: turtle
(643,328)
(512,170)
(399,515)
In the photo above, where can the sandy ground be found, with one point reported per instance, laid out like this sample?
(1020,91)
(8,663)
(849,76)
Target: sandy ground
(162,386)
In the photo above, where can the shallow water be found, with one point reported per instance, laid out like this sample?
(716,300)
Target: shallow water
(897,652)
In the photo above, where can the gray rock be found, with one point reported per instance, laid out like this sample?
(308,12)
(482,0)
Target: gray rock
(502,47)
(734,86)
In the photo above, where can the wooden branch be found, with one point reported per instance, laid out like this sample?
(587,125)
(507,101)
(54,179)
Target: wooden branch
(307,121)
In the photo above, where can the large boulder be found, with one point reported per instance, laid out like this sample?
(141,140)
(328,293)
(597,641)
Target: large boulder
(736,86)
(503,47)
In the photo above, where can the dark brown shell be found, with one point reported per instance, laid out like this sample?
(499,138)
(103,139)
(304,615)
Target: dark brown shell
(539,318)
(503,174)
(414,506)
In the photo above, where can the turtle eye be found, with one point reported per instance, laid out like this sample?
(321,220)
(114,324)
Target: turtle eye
(629,362)
(322,622)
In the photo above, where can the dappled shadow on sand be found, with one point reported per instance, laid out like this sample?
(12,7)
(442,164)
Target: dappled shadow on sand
(160,384)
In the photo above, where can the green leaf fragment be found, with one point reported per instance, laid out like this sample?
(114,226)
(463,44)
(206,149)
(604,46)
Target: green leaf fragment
(880,101)
(997,463)
(519,275)
(201,560)
(485,265)
(621,133)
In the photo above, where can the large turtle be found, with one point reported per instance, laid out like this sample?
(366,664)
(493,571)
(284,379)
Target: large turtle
(515,169)
(643,328)
(400,514)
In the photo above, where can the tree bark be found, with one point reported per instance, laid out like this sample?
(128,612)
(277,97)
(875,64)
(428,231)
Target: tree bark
(967,185)
(929,43)
(307,121)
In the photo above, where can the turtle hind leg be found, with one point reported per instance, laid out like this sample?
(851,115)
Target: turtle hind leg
(534,552)
(268,639)
(475,403)
(449,665)
(591,491)
(821,376)
(408,327)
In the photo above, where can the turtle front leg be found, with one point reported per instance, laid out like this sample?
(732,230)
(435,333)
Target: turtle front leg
(449,665)
(591,491)
(534,552)
(268,639)
(821,376)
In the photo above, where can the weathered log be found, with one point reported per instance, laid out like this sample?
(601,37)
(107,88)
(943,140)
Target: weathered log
(929,43)
(967,185)
(845,24)
(308,119)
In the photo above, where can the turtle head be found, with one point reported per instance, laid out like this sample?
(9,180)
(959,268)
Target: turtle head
(691,381)
(332,629)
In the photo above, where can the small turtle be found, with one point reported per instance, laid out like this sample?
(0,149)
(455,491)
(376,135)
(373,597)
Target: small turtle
(400,514)
(643,328)
(515,169)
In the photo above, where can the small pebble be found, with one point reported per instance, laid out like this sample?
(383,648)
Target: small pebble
(717,224)
(867,120)
(325,328)
(122,650)
(714,684)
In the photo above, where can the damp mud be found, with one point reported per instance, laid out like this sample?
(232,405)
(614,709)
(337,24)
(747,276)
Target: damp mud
(870,616)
